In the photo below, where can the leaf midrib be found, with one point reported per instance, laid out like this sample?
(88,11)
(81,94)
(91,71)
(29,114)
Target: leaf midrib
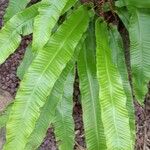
(93,101)
(57,52)
(111,97)
(62,112)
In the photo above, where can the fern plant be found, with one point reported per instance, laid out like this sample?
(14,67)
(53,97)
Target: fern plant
(66,33)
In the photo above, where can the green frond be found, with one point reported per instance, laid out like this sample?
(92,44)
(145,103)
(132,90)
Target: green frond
(48,111)
(139,32)
(68,5)
(138,4)
(14,7)
(4,116)
(27,28)
(94,134)
(118,57)
(133,3)
(47,114)
(49,13)
(124,16)
(41,77)
(63,122)
(10,34)
(27,60)
(112,97)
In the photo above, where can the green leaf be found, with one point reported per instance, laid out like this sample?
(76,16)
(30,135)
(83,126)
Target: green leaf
(68,5)
(139,3)
(41,77)
(112,99)
(94,133)
(118,58)
(4,116)
(15,6)
(27,60)
(49,13)
(10,34)
(28,28)
(134,3)
(47,114)
(64,123)
(120,3)
(124,16)
(139,32)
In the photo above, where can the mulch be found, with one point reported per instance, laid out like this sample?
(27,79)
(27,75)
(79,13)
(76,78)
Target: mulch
(10,82)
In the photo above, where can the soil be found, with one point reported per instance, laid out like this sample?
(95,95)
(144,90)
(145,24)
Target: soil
(5,99)
(9,82)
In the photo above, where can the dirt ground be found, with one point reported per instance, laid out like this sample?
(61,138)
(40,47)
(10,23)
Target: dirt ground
(10,82)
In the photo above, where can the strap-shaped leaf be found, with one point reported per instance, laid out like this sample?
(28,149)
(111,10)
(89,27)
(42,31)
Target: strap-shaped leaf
(41,77)
(119,60)
(28,28)
(47,114)
(134,3)
(139,32)
(94,134)
(10,33)
(14,7)
(27,60)
(113,102)
(68,5)
(64,123)
(4,116)
(139,4)
(124,16)
(49,13)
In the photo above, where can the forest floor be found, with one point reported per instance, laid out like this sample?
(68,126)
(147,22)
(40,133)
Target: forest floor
(9,82)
